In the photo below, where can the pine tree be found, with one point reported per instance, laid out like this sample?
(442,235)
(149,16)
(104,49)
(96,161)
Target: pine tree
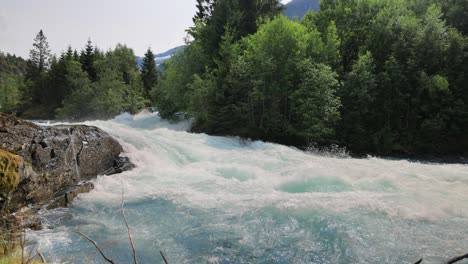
(87,59)
(39,56)
(69,53)
(149,74)
(204,10)
(76,57)
(98,54)
(200,11)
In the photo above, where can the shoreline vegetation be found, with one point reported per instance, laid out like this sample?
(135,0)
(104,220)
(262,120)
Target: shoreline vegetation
(385,78)
(378,77)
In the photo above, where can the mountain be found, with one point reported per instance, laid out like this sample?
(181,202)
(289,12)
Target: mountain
(169,52)
(298,8)
(161,57)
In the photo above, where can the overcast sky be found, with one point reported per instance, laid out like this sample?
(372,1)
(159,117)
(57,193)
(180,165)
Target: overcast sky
(159,24)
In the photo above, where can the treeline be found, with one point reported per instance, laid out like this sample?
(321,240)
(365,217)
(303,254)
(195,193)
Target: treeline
(12,72)
(75,86)
(380,76)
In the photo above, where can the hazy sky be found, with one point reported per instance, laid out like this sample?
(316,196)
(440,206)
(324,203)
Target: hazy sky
(159,24)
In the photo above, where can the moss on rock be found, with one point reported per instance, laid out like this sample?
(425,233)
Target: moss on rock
(9,171)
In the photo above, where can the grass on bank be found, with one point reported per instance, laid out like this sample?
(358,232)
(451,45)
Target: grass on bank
(17,259)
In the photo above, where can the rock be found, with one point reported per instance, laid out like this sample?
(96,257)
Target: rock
(64,198)
(55,160)
(121,164)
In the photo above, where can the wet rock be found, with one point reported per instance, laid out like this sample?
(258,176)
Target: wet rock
(121,164)
(63,199)
(55,160)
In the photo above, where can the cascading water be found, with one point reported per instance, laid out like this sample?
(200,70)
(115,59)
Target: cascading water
(206,199)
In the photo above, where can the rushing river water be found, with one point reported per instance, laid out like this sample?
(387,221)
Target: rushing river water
(206,199)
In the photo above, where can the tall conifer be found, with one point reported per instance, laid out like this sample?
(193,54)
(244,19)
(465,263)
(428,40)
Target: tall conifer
(149,74)
(87,59)
(39,56)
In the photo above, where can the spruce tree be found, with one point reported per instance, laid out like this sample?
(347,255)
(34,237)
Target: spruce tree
(204,10)
(200,11)
(76,57)
(149,74)
(87,59)
(69,53)
(39,56)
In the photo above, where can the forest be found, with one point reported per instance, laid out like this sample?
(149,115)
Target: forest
(75,86)
(377,76)
(385,77)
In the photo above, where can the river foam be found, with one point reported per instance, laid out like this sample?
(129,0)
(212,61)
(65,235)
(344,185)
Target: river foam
(206,199)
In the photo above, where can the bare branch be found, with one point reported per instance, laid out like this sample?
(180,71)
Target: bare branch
(22,245)
(135,260)
(41,256)
(97,247)
(30,256)
(456,259)
(164,258)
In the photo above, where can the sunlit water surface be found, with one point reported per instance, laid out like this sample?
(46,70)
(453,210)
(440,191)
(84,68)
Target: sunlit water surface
(206,199)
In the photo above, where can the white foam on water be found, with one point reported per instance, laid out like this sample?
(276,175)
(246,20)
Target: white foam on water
(377,202)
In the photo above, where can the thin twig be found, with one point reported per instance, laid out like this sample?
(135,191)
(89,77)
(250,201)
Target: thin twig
(97,247)
(135,260)
(41,256)
(22,244)
(164,258)
(30,256)
(456,259)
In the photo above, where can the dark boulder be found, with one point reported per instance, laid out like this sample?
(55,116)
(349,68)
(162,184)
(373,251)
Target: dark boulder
(55,161)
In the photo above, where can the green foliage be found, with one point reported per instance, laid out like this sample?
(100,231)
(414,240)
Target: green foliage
(170,94)
(358,95)
(10,91)
(331,43)
(455,12)
(93,85)
(39,56)
(149,74)
(273,54)
(12,64)
(79,103)
(315,104)
(380,76)
(87,59)
(118,87)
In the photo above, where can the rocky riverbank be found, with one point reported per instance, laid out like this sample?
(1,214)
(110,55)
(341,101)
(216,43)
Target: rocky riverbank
(49,166)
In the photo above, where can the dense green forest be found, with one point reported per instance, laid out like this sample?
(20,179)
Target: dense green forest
(75,85)
(379,76)
(376,76)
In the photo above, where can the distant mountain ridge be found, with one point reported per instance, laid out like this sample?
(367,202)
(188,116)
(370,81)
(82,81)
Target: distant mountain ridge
(161,57)
(298,8)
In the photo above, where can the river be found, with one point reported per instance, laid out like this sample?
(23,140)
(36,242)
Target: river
(207,199)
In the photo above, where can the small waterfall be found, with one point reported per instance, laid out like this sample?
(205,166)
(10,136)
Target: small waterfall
(72,142)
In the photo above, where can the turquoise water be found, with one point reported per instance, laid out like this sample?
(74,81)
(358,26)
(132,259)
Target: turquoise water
(205,199)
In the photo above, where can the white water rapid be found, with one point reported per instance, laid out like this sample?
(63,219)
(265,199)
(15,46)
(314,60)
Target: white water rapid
(206,199)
